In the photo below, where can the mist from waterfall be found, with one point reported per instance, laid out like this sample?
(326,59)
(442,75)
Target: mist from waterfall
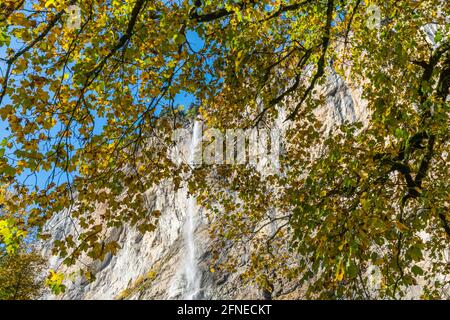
(191,273)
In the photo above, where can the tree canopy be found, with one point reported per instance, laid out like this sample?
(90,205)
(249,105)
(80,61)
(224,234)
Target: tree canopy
(79,104)
(21,275)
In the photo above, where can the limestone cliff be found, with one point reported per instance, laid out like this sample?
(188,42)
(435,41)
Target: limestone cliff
(149,266)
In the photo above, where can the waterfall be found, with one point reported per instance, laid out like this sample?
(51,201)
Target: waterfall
(191,273)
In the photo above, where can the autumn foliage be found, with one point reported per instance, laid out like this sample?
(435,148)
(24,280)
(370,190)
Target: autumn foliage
(87,116)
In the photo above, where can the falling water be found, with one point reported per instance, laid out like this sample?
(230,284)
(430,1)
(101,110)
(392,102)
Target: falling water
(191,272)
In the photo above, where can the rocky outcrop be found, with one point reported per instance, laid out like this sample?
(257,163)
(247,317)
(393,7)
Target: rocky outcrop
(148,266)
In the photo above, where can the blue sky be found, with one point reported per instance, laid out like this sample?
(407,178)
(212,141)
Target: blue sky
(41,178)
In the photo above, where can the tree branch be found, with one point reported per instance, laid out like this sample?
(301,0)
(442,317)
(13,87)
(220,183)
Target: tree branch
(18,54)
(9,9)
(215,14)
(124,38)
(321,63)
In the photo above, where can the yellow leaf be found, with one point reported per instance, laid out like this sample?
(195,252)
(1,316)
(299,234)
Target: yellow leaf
(340,272)
(49,3)
(401,227)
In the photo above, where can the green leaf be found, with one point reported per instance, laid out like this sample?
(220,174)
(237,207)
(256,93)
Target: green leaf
(399,133)
(438,36)
(415,253)
(417,270)
(5,39)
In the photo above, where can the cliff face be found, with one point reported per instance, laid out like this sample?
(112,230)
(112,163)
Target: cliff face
(151,266)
